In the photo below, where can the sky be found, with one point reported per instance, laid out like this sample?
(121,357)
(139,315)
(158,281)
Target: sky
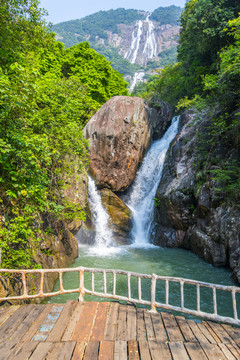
(63,10)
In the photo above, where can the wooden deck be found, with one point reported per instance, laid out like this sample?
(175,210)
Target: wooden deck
(106,331)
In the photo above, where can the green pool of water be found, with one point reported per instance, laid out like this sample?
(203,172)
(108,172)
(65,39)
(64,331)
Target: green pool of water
(161,261)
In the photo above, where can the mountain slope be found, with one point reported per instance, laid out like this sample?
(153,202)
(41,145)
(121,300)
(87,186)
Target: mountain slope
(133,40)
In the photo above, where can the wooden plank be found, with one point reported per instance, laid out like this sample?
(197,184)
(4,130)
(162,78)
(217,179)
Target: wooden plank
(72,322)
(41,351)
(197,332)
(79,350)
(83,329)
(37,323)
(234,350)
(120,350)
(7,313)
(149,325)
(122,323)
(23,351)
(55,351)
(226,352)
(67,351)
(6,349)
(213,351)
(91,352)
(185,329)
(144,350)
(131,323)
(206,333)
(208,327)
(159,350)
(221,332)
(174,334)
(178,351)
(48,323)
(106,350)
(195,351)
(10,326)
(141,328)
(133,353)
(168,319)
(158,327)
(233,332)
(27,322)
(100,322)
(111,326)
(61,323)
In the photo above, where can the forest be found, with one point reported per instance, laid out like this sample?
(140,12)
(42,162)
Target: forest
(47,94)
(206,77)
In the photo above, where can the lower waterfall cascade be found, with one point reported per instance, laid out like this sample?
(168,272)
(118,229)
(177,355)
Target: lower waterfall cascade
(140,196)
(143,190)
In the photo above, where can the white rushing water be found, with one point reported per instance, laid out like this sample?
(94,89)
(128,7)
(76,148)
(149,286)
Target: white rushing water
(146,44)
(131,54)
(138,77)
(103,234)
(150,47)
(144,187)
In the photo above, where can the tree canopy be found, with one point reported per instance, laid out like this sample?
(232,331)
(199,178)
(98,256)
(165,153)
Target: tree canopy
(47,94)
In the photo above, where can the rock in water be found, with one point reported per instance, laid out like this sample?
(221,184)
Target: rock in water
(120,133)
(120,216)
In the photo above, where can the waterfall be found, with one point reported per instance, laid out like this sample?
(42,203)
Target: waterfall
(131,54)
(138,77)
(150,47)
(140,199)
(144,187)
(100,219)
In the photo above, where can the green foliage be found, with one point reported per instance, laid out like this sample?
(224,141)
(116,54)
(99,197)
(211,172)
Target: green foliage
(47,94)
(94,71)
(167,15)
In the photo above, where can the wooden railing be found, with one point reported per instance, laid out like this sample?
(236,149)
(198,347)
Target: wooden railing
(153,303)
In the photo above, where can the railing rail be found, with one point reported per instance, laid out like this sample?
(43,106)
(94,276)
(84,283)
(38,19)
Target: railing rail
(153,303)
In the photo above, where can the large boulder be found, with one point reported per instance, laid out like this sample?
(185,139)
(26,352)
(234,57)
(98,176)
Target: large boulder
(120,133)
(120,216)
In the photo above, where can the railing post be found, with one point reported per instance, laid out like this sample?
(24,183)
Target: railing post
(81,285)
(234,305)
(153,293)
(182,294)
(24,284)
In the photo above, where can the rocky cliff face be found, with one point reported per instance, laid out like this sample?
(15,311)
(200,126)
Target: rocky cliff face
(120,133)
(144,40)
(188,213)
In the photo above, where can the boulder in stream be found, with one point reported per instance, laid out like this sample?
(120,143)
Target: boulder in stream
(120,216)
(120,133)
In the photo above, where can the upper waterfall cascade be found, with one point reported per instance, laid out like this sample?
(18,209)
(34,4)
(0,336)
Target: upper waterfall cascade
(143,43)
(140,197)
(132,53)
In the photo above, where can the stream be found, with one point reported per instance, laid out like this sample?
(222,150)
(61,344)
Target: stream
(142,256)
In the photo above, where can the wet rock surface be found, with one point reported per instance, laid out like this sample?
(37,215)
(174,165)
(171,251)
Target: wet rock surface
(120,216)
(188,214)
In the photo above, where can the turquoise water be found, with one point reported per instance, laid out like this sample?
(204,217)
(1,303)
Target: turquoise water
(161,261)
